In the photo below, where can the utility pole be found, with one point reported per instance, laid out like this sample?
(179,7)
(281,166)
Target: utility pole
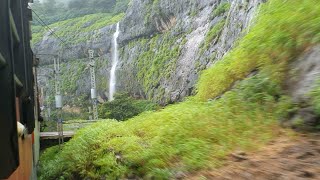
(93,84)
(58,99)
(90,113)
(47,105)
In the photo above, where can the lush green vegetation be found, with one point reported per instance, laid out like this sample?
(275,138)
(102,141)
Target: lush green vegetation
(151,6)
(212,34)
(75,124)
(124,107)
(48,126)
(158,61)
(51,11)
(199,133)
(182,137)
(222,8)
(47,156)
(74,31)
(73,71)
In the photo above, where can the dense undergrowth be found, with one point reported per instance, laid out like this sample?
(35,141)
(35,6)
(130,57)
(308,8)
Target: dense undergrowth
(124,107)
(199,133)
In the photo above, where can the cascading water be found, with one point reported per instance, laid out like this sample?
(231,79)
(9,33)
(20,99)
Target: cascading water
(112,84)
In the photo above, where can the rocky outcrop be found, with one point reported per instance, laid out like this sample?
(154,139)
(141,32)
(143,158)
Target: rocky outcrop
(164,45)
(74,64)
(100,41)
(305,71)
(304,75)
(191,19)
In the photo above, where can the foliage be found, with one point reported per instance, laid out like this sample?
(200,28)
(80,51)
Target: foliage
(71,86)
(222,8)
(76,30)
(124,107)
(281,32)
(48,126)
(46,158)
(72,70)
(75,124)
(51,11)
(199,133)
(158,60)
(255,88)
(182,137)
(212,34)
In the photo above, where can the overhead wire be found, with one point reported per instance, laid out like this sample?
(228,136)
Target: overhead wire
(43,24)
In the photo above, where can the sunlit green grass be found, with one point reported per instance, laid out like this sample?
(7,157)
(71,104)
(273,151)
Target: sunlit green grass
(198,133)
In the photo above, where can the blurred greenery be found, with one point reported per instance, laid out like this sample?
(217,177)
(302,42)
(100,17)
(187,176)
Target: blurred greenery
(48,155)
(182,137)
(282,31)
(48,126)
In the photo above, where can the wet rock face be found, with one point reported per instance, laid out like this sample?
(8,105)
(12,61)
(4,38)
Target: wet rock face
(193,20)
(190,23)
(101,42)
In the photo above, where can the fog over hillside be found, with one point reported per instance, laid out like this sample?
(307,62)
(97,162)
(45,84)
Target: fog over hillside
(63,1)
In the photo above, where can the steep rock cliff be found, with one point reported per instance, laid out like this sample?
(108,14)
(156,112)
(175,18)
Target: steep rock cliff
(164,44)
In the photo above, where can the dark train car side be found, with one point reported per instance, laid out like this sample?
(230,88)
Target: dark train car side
(19,126)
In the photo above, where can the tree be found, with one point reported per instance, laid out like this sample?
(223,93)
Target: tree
(124,107)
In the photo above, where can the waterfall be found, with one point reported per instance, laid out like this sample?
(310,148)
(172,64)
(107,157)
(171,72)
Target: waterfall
(112,84)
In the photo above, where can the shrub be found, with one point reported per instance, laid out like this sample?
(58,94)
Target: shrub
(124,107)
(213,33)
(222,8)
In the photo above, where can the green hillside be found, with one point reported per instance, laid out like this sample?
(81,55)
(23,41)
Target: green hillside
(75,28)
(51,11)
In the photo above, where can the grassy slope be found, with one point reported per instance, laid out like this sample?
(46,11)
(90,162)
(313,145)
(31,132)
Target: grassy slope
(70,30)
(196,133)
